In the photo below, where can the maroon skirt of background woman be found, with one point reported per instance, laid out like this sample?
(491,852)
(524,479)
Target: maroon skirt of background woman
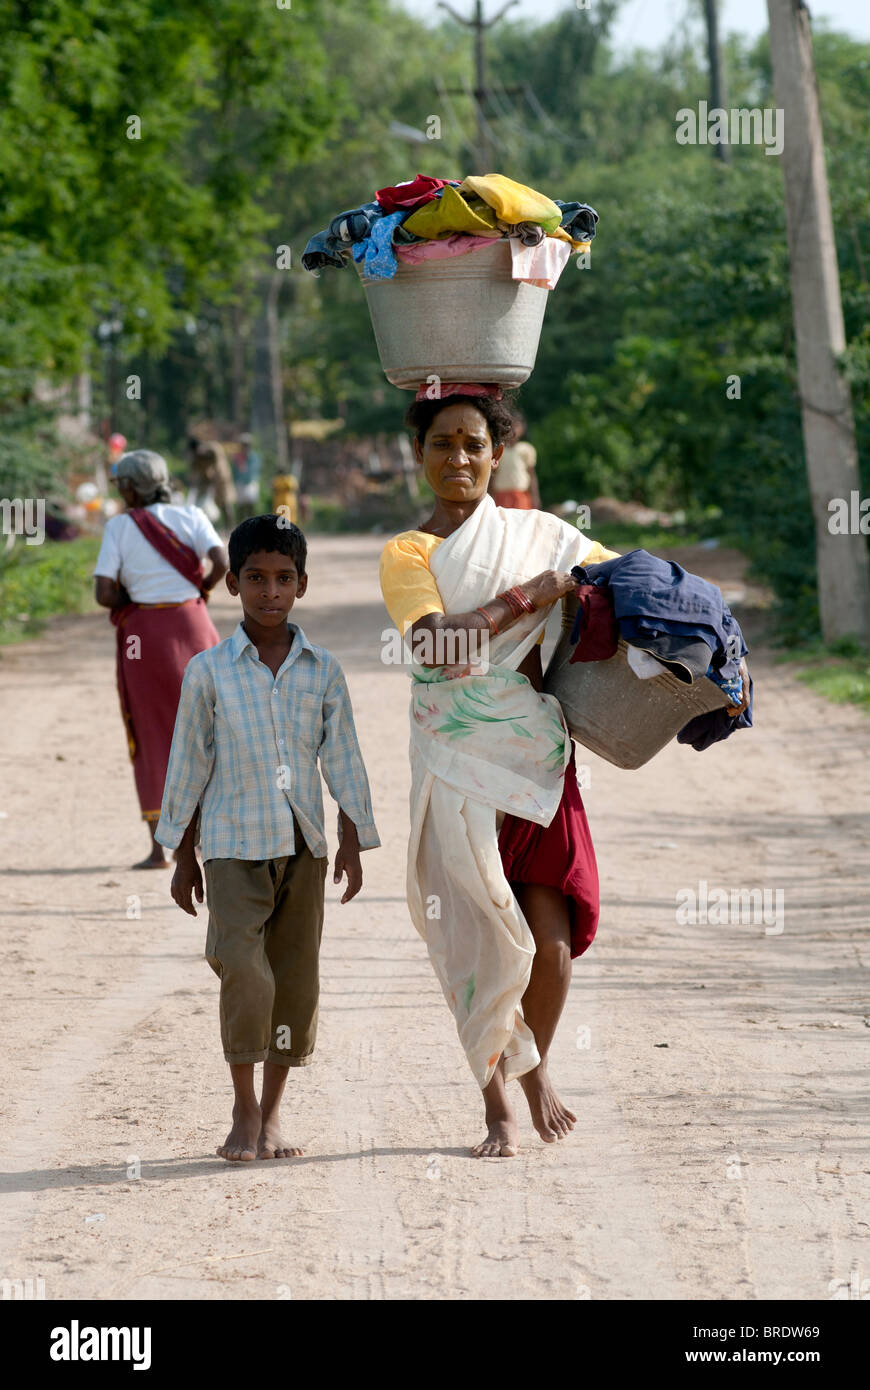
(150,672)
(559,855)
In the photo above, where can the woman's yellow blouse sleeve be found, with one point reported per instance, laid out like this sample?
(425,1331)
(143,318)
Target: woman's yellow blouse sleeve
(598,554)
(407,583)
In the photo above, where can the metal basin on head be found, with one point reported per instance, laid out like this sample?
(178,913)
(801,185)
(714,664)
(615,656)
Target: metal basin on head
(460,319)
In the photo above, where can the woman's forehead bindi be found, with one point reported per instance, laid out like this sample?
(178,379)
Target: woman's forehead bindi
(444,430)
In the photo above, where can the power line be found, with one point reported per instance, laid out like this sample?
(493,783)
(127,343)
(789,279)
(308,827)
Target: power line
(483,153)
(572,140)
(488,94)
(492,140)
(443,95)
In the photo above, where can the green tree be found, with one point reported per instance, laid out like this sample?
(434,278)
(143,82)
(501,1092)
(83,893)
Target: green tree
(139,138)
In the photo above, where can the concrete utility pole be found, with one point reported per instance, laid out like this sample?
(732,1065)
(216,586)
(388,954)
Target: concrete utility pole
(481,91)
(718,97)
(275,378)
(267,395)
(826,408)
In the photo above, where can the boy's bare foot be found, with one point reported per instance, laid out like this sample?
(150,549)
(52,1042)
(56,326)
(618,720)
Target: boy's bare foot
(551,1118)
(271,1145)
(240,1145)
(502,1137)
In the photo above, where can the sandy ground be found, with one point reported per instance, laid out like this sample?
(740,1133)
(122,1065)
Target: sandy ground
(719,1072)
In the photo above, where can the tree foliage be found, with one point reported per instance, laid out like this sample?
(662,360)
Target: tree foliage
(259,124)
(139,140)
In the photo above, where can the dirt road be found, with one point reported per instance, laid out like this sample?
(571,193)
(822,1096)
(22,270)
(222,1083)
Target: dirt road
(719,1071)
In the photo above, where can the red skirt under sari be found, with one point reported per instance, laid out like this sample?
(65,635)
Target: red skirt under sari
(150,672)
(559,855)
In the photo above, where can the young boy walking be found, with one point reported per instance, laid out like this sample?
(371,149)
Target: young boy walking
(255,714)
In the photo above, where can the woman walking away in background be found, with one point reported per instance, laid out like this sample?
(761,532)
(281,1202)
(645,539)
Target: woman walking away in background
(149,573)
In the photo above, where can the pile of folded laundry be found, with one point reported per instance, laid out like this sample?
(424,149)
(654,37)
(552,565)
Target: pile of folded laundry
(671,620)
(431,219)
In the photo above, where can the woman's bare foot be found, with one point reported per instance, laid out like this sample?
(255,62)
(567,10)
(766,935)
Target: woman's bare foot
(502,1136)
(155,860)
(243,1139)
(551,1118)
(271,1145)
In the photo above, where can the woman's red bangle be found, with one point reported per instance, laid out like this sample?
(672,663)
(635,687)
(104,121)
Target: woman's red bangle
(517,601)
(491,622)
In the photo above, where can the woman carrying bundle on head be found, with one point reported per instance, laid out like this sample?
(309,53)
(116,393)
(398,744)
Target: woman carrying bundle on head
(149,573)
(502,881)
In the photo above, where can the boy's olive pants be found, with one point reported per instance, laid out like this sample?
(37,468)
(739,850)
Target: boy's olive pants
(264,927)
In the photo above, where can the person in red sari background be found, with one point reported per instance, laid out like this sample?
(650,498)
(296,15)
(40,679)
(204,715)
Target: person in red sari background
(515,484)
(149,574)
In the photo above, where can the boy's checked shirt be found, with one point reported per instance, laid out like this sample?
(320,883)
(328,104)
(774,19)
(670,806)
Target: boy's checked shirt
(246,745)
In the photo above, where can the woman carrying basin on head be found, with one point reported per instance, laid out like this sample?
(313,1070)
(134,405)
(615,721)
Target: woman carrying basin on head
(502,881)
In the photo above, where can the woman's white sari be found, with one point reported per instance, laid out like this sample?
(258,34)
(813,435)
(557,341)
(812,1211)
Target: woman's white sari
(482,744)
